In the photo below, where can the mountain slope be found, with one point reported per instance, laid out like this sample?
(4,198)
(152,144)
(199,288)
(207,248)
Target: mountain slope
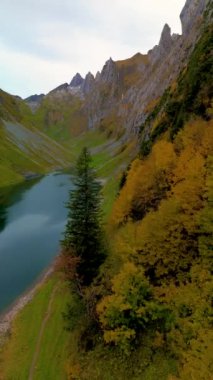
(60,115)
(148,315)
(121,96)
(150,310)
(25,151)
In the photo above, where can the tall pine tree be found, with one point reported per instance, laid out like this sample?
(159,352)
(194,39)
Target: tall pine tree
(83,237)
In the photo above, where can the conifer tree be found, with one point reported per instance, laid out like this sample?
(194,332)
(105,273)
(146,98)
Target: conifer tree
(83,237)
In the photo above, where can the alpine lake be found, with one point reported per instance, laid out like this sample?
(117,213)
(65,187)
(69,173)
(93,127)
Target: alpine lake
(32,220)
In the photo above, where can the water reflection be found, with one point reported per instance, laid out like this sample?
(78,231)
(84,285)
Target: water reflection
(3,216)
(33,217)
(10,195)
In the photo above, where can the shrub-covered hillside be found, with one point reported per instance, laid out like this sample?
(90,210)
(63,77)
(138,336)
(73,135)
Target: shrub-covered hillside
(162,223)
(25,151)
(142,310)
(149,312)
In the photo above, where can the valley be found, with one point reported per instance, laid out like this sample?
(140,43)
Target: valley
(147,122)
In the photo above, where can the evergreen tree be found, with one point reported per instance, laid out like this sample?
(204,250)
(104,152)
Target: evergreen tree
(83,237)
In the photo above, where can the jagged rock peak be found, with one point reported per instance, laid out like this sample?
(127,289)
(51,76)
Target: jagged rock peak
(165,44)
(97,77)
(192,10)
(62,87)
(90,76)
(109,72)
(34,98)
(88,83)
(77,80)
(34,101)
(166,38)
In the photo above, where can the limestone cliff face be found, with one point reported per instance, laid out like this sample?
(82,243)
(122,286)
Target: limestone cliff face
(109,73)
(166,60)
(76,81)
(124,91)
(164,47)
(192,10)
(115,93)
(88,84)
(101,93)
(164,63)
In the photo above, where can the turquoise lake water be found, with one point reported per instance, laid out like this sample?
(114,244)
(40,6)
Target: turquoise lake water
(32,220)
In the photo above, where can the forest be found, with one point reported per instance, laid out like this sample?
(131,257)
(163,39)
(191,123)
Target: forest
(154,290)
(130,293)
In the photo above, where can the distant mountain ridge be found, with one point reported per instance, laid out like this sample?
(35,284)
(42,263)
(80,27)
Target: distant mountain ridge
(25,151)
(121,99)
(124,92)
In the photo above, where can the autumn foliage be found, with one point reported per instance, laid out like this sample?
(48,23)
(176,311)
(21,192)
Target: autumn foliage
(162,228)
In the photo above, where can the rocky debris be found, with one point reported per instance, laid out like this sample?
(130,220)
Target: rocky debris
(88,84)
(34,143)
(77,80)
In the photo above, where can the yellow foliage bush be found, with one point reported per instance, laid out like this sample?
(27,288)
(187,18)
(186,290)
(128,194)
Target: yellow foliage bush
(130,308)
(147,183)
(164,224)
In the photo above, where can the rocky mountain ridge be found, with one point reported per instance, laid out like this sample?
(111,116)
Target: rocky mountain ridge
(34,101)
(25,151)
(124,92)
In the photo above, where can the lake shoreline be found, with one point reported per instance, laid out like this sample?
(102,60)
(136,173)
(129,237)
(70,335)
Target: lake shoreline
(32,221)
(7,316)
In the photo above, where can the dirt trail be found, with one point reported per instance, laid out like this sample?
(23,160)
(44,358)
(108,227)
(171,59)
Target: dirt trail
(40,335)
(7,317)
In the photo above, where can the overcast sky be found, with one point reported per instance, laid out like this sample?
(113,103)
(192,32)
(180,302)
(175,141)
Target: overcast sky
(43,43)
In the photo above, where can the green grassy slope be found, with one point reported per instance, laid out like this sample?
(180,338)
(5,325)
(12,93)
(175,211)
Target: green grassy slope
(110,158)
(81,354)
(18,353)
(60,117)
(24,150)
(129,70)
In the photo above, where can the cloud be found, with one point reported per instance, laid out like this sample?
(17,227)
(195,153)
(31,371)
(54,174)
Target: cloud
(44,43)
(25,74)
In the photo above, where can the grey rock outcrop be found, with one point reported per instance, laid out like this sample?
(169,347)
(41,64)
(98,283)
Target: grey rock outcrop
(108,97)
(77,80)
(34,101)
(165,45)
(191,11)
(109,72)
(166,61)
(97,77)
(34,98)
(88,83)
(166,41)
(63,87)
(124,92)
